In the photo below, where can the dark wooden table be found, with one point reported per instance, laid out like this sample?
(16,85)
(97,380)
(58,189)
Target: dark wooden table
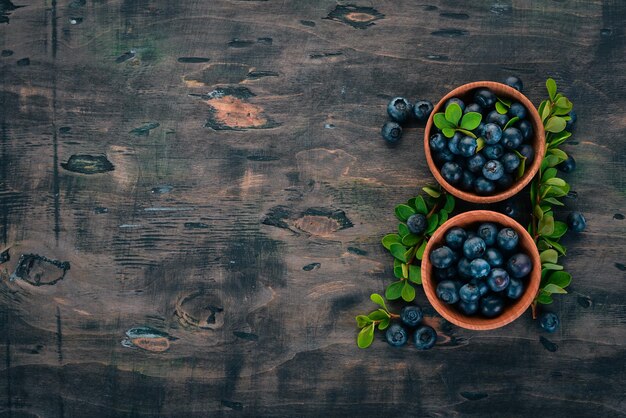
(198,190)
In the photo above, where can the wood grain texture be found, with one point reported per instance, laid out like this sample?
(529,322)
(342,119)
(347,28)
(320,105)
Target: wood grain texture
(223,211)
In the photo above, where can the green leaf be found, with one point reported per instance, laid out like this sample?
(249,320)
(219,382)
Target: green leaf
(551,86)
(549,173)
(544,298)
(551,160)
(555,181)
(382,325)
(409,254)
(448,132)
(505,102)
(394,290)
(415,274)
(546,112)
(411,240)
(552,288)
(419,254)
(466,132)
(441,122)
(549,256)
(533,192)
(403,230)
(378,300)
(541,107)
(471,120)
(501,109)
(378,315)
(390,239)
(546,225)
(561,279)
(431,192)
(558,138)
(433,222)
(562,106)
(553,201)
(403,212)
(480,144)
(398,250)
(366,336)
(542,245)
(560,154)
(397,270)
(521,169)
(405,271)
(420,205)
(510,122)
(362,320)
(551,266)
(561,249)
(450,202)
(443,216)
(560,228)
(538,212)
(454,113)
(408,292)
(555,124)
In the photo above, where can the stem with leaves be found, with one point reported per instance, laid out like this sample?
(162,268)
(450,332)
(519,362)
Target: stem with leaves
(380,318)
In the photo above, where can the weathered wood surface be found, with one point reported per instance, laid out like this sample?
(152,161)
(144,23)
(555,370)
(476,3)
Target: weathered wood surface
(242,191)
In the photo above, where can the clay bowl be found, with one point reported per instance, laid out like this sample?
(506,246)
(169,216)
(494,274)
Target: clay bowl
(538,141)
(511,311)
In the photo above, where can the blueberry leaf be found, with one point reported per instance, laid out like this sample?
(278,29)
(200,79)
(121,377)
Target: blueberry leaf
(480,144)
(454,113)
(411,240)
(466,132)
(560,228)
(366,336)
(553,201)
(397,270)
(545,113)
(549,256)
(403,230)
(552,288)
(449,205)
(420,205)
(390,239)
(382,325)
(441,122)
(561,249)
(501,109)
(549,173)
(433,222)
(419,254)
(555,124)
(408,292)
(471,120)
(551,86)
(551,266)
(398,250)
(362,320)
(403,212)
(378,300)
(378,315)
(521,168)
(544,298)
(394,290)
(546,225)
(448,132)
(431,191)
(443,217)
(560,154)
(405,271)
(415,274)
(561,279)
(511,122)
(558,138)
(538,212)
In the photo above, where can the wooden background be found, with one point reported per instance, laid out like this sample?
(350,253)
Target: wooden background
(230,189)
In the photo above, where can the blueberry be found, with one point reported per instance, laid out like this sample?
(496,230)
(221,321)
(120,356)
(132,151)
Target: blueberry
(483,287)
(424,338)
(442,257)
(469,293)
(510,161)
(457,101)
(576,222)
(549,321)
(507,239)
(483,186)
(476,162)
(485,98)
(416,223)
(448,291)
(411,315)
(396,335)
(511,138)
(422,110)
(494,257)
(514,82)
(453,143)
(495,117)
(467,181)
(437,142)
(473,107)
(452,172)
(468,308)
(474,247)
(479,268)
(510,208)
(467,146)
(399,109)
(515,289)
(571,123)
(392,132)
(493,170)
(505,181)
(498,279)
(471,234)
(493,152)
(568,165)
(463,267)
(492,133)
(527,151)
(519,265)
(446,274)
(491,306)
(526,128)
(444,156)
(455,237)
(480,129)
(488,232)
(517,110)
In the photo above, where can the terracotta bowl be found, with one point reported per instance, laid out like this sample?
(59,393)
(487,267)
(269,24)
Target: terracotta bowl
(538,141)
(511,311)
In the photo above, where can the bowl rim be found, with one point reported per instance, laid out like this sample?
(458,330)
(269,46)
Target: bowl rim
(514,311)
(539,144)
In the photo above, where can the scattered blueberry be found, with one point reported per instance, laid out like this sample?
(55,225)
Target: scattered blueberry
(492,133)
(396,335)
(515,289)
(571,123)
(549,321)
(498,279)
(437,142)
(448,291)
(568,165)
(576,222)
(510,208)
(399,109)
(493,170)
(452,172)
(507,239)
(424,338)
(455,237)
(442,257)
(488,232)
(422,110)
(519,265)
(392,132)
(514,82)
(505,181)
(510,161)
(491,306)
(411,315)
(416,223)
(473,248)
(479,268)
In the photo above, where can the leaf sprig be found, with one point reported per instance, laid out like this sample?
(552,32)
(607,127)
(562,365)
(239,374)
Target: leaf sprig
(453,120)
(545,191)
(408,248)
(381,317)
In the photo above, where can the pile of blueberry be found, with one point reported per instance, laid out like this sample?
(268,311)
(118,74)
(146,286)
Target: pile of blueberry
(401,111)
(424,337)
(480,271)
(493,168)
